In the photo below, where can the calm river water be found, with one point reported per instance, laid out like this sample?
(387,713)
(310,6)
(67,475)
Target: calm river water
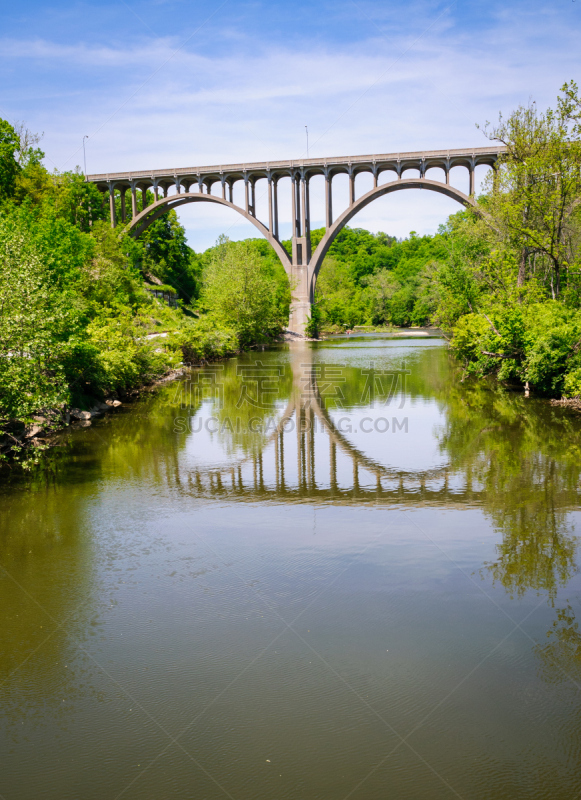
(326,570)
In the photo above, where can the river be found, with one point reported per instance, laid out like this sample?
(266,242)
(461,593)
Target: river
(327,570)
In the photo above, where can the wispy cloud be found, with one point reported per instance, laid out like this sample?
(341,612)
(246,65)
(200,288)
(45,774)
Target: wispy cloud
(251,100)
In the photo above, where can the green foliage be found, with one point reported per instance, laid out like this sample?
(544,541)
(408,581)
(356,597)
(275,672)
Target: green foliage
(538,343)
(111,277)
(65,196)
(238,289)
(533,203)
(167,256)
(511,287)
(122,358)
(9,167)
(36,321)
(313,326)
(205,339)
(371,278)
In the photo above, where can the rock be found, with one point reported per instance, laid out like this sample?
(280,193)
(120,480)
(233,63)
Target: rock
(153,279)
(163,334)
(85,423)
(33,431)
(76,413)
(113,403)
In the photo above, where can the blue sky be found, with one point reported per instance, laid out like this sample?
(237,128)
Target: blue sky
(163,83)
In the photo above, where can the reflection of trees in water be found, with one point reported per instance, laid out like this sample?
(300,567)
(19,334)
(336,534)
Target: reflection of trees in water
(253,402)
(525,456)
(560,656)
(538,547)
(48,597)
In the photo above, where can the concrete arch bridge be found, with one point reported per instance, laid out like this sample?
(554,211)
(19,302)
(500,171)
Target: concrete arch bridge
(215,184)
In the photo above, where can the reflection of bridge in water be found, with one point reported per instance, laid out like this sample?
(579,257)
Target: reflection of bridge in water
(308,457)
(247,482)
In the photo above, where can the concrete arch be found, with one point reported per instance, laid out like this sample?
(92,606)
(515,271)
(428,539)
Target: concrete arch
(349,213)
(144,219)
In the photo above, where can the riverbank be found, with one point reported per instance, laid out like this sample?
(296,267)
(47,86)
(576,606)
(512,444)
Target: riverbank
(24,444)
(388,333)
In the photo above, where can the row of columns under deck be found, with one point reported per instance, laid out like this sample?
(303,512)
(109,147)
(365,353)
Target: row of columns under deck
(133,189)
(300,200)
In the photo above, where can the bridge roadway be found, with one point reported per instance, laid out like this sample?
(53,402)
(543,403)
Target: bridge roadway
(171,188)
(230,173)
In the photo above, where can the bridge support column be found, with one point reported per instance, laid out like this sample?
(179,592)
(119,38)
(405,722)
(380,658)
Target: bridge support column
(275,206)
(301,254)
(123,207)
(306,220)
(294,221)
(112,206)
(253,197)
(144,198)
(270,220)
(300,310)
(471,174)
(328,201)
(133,201)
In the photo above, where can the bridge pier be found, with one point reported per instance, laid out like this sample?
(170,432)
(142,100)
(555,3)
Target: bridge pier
(299,276)
(300,310)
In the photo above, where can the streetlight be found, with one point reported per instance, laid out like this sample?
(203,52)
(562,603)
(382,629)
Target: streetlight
(85,156)
(307,130)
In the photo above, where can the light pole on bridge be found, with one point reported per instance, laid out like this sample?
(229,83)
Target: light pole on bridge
(85,156)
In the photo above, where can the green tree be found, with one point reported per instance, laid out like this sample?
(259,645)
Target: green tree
(534,192)
(166,256)
(36,321)
(511,285)
(381,288)
(239,290)
(9,166)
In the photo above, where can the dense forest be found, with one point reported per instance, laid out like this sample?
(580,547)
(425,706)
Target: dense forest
(87,312)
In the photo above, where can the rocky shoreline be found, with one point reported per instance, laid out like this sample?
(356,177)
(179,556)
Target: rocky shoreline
(568,402)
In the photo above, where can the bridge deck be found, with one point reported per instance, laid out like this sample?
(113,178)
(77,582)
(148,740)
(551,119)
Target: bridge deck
(480,154)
